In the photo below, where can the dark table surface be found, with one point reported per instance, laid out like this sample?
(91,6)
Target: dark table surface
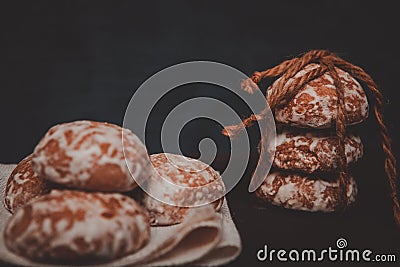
(68,60)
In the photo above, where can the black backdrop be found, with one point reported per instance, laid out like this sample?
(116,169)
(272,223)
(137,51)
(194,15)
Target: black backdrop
(69,60)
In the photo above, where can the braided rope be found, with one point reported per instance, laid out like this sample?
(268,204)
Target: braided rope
(340,133)
(287,87)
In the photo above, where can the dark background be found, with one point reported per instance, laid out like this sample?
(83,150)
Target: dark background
(67,60)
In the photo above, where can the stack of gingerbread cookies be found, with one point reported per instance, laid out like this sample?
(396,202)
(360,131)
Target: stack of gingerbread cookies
(305,167)
(71,199)
(66,196)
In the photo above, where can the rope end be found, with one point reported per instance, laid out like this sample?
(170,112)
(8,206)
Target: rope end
(231,131)
(225,132)
(249,86)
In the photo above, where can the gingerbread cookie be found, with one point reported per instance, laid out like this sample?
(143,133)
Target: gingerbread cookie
(315,105)
(23,185)
(300,192)
(313,151)
(74,227)
(181,171)
(89,155)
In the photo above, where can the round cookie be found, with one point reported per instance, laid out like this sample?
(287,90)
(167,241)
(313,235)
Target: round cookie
(300,192)
(315,105)
(23,185)
(313,151)
(89,155)
(74,226)
(182,172)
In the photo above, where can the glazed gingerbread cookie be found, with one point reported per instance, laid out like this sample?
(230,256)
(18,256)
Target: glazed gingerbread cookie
(91,156)
(315,105)
(24,185)
(182,172)
(312,151)
(301,192)
(77,227)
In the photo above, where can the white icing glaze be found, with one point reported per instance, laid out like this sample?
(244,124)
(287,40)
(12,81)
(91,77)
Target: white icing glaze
(321,107)
(23,185)
(172,172)
(313,149)
(85,152)
(298,192)
(106,237)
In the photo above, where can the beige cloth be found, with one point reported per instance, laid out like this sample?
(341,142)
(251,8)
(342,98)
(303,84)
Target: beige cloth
(205,238)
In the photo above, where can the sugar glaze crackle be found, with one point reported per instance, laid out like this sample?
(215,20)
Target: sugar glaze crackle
(77,226)
(90,155)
